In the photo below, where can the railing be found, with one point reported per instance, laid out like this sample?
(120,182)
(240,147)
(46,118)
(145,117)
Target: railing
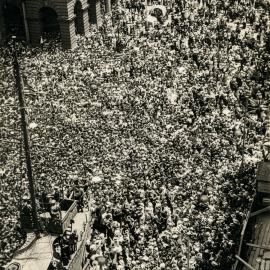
(70,214)
(59,226)
(243,233)
(266,209)
(78,261)
(87,266)
(244,263)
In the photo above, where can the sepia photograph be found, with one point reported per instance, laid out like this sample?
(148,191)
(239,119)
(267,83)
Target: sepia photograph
(134,134)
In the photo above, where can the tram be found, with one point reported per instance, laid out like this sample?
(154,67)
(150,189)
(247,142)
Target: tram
(40,250)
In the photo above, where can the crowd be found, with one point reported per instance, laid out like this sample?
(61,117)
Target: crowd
(164,122)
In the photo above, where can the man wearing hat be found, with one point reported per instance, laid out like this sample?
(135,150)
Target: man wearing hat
(73,239)
(65,249)
(44,199)
(26,207)
(78,196)
(55,210)
(56,194)
(57,251)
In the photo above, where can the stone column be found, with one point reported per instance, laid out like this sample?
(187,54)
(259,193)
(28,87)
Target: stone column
(34,31)
(108,6)
(68,36)
(98,13)
(85,20)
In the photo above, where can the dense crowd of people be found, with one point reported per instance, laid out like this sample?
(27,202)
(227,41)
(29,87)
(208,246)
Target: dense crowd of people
(164,122)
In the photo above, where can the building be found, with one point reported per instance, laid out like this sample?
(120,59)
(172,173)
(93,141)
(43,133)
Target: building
(35,19)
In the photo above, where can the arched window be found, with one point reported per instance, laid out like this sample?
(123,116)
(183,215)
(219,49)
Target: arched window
(79,23)
(92,11)
(49,23)
(13,19)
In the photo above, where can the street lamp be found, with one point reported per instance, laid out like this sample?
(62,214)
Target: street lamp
(19,89)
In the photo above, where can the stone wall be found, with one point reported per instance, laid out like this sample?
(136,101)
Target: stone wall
(88,12)
(2,24)
(66,16)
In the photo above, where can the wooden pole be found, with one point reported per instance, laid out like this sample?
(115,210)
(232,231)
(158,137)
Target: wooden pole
(260,211)
(258,246)
(244,262)
(19,88)
(242,236)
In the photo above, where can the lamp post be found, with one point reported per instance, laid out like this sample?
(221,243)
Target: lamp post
(19,89)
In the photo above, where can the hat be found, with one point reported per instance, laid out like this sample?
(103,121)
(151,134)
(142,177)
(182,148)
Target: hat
(162,265)
(53,201)
(145,258)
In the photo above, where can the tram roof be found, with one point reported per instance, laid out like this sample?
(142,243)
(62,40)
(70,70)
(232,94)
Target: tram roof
(38,256)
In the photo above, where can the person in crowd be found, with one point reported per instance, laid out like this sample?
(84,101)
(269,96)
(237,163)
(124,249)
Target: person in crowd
(55,210)
(78,196)
(167,129)
(57,194)
(73,240)
(65,247)
(26,210)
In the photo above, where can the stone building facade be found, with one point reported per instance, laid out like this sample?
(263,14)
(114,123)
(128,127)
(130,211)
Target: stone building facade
(67,17)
